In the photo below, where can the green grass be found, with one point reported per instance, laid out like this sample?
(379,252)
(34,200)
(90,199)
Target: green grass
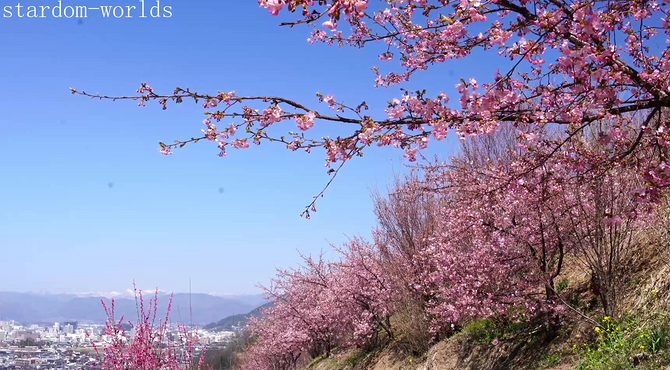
(627,344)
(349,360)
(355,357)
(315,361)
(486,330)
(548,360)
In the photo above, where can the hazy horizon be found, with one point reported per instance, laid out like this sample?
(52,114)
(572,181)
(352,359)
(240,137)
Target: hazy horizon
(128,293)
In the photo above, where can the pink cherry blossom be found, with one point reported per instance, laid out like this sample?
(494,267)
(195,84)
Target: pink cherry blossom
(594,61)
(273,5)
(305,121)
(330,24)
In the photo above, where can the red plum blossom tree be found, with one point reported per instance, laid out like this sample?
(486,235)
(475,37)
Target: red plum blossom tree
(150,344)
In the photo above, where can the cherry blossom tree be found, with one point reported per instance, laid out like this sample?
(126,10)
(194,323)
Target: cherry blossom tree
(406,219)
(479,268)
(606,224)
(323,305)
(607,227)
(529,208)
(573,64)
(305,313)
(367,289)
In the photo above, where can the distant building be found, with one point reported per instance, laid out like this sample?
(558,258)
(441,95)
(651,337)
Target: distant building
(73,323)
(68,329)
(3,335)
(26,335)
(6,325)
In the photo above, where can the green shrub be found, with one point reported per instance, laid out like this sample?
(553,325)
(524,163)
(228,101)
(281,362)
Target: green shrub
(483,330)
(574,301)
(561,285)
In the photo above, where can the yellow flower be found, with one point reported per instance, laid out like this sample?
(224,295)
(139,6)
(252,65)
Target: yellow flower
(641,347)
(606,319)
(597,329)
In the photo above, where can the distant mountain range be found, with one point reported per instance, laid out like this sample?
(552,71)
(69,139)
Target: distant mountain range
(236,321)
(34,308)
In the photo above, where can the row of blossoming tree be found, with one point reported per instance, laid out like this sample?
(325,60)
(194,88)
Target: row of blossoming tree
(565,155)
(464,240)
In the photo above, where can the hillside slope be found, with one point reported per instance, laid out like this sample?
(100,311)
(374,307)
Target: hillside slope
(577,344)
(229,323)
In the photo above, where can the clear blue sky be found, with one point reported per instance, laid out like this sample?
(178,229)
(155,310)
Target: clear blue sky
(64,229)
